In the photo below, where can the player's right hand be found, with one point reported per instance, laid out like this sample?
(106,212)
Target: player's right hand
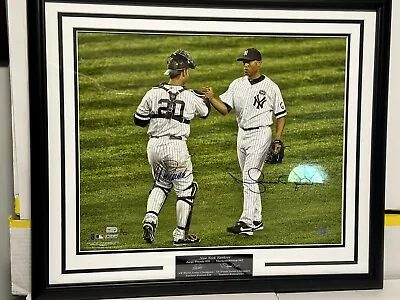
(208,92)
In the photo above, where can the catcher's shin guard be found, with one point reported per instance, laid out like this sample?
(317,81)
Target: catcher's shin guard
(156,200)
(184,208)
(164,189)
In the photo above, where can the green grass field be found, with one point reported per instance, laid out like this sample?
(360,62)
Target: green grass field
(115,71)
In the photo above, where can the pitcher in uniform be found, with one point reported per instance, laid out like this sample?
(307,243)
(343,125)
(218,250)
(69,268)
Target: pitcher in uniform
(168,109)
(257,101)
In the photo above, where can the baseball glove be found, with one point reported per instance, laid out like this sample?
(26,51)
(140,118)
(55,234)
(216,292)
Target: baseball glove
(275,153)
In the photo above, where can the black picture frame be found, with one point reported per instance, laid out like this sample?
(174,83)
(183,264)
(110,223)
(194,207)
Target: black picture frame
(4,54)
(44,280)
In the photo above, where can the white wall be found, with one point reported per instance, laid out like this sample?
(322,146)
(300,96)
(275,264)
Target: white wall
(393,143)
(6,182)
(18,40)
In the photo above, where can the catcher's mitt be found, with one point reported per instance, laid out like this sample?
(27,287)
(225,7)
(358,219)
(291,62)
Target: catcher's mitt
(276,152)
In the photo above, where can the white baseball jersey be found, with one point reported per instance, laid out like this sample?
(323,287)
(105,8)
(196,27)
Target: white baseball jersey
(255,102)
(170,117)
(169,109)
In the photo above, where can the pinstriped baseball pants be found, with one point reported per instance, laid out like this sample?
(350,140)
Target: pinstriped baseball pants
(252,146)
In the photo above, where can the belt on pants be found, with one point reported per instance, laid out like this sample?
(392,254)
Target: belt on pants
(252,128)
(171,137)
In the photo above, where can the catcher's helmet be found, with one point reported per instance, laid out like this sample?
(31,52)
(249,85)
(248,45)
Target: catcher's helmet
(179,60)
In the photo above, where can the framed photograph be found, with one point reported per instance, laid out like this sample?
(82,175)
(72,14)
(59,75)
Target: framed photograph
(182,148)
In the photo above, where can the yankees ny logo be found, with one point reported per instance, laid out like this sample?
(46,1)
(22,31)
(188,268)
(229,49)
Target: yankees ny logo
(259,103)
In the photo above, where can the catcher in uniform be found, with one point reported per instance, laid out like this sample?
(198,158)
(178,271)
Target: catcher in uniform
(256,100)
(168,109)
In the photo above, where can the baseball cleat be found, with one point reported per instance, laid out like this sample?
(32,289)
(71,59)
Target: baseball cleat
(189,240)
(240,228)
(258,225)
(148,232)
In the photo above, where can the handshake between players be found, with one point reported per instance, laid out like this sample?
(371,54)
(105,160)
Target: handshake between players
(256,100)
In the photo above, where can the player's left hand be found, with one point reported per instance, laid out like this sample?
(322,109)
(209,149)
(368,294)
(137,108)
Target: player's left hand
(276,152)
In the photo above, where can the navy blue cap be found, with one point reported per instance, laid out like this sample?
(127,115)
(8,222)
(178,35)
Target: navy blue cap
(250,54)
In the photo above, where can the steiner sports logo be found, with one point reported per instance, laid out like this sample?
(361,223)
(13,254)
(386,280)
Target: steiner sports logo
(111,229)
